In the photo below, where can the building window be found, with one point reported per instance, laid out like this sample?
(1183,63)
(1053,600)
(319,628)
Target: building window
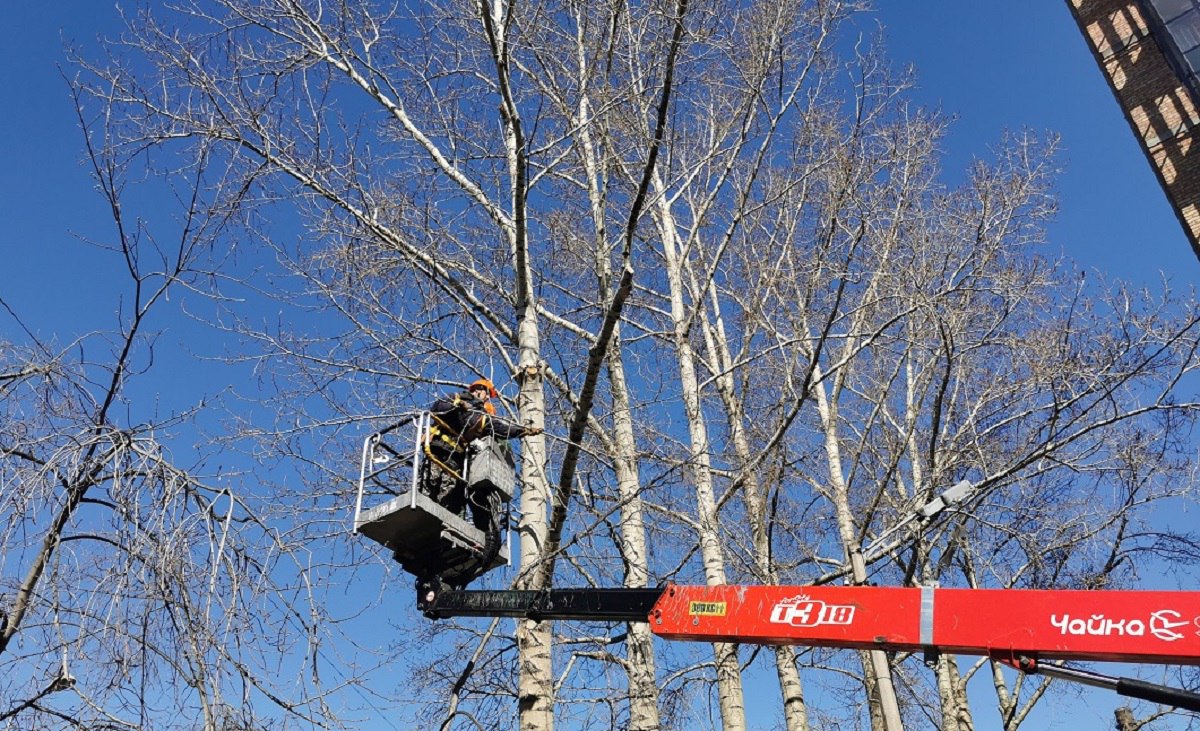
(1176,26)
(1185,31)
(1168,10)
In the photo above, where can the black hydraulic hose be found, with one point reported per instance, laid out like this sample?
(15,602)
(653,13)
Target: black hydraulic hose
(491,545)
(1128,687)
(1134,688)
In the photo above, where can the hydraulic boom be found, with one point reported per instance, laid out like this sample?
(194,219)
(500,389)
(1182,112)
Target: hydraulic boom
(1022,628)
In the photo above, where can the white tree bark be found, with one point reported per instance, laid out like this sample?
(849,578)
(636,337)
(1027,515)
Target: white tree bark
(729,678)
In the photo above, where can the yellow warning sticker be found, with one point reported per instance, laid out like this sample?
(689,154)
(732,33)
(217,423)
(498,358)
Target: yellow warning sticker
(707,609)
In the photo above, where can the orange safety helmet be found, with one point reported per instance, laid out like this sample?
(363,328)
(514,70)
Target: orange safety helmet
(486,384)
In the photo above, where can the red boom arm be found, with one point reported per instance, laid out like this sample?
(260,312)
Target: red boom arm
(1117,626)
(1019,627)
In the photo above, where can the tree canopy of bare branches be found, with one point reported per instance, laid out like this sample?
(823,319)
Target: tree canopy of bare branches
(707,246)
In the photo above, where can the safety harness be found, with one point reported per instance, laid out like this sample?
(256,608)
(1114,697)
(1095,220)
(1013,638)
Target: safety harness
(442,433)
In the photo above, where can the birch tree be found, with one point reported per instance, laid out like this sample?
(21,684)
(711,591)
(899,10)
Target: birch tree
(950,354)
(136,583)
(567,197)
(425,80)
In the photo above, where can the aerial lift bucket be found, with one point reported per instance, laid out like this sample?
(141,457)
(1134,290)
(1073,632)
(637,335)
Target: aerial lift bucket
(424,537)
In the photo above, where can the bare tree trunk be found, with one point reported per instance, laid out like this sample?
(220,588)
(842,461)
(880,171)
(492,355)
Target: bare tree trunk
(535,685)
(643,689)
(729,682)
(879,672)
(795,711)
(956,714)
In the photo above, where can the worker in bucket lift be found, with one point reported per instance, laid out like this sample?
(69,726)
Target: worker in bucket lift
(457,420)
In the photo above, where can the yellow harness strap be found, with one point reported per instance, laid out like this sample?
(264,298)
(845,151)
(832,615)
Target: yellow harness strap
(440,431)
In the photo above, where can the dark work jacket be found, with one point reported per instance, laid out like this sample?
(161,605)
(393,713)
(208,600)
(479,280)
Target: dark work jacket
(464,419)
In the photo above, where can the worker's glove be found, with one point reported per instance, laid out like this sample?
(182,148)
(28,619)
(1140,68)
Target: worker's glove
(533,431)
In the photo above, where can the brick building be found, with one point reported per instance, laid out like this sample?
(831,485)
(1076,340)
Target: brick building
(1150,52)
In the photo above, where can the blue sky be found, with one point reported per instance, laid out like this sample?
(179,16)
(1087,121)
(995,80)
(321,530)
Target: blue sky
(45,194)
(991,65)
(1023,64)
